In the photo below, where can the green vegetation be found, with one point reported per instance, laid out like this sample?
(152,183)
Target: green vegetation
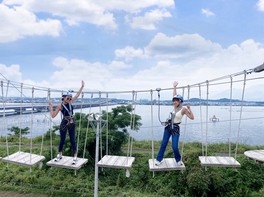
(194,181)
(17,131)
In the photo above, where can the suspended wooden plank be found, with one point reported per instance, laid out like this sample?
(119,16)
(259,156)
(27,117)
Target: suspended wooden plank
(169,164)
(23,158)
(111,161)
(218,161)
(66,162)
(257,155)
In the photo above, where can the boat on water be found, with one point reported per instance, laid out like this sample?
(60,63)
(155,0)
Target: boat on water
(214,119)
(29,110)
(7,112)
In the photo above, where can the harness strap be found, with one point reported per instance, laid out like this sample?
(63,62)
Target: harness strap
(69,111)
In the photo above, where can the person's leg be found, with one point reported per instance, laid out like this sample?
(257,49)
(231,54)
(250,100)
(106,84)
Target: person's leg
(164,143)
(62,140)
(72,139)
(175,146)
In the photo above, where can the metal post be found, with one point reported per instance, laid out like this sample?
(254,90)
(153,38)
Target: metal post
(96,160)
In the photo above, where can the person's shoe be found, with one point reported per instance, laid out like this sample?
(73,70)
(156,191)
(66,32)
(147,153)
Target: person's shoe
(74,160)
(179,163)
(58,158)
(157,163)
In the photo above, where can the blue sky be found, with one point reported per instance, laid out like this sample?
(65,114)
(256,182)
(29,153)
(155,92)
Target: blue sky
(125,45)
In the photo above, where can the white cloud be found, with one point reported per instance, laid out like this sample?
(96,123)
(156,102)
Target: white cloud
(118,66)
(134,6)
(117,75)
(74,11)
(207,12)
(186,45)
(149,20)
(101,76)
(260,5)
(129,53)
(89,11)
(11,72)
(18,22)
(96,75)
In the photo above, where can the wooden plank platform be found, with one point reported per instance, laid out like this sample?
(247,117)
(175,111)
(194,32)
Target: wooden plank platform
(212,161)
(66,162)
(169,164)
(111,161)
(23,158)
(257,155)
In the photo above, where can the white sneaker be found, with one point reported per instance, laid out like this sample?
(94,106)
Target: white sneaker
(74,160)
(157,163)
(179,163)
(58,158)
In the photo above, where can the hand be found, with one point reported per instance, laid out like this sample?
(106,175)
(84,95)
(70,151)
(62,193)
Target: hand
(82,83)
(188,106)
(50,103)
(175,83)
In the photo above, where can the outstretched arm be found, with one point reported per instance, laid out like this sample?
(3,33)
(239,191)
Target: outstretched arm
(189,112)
(52,112)
(175,84)
(78,93)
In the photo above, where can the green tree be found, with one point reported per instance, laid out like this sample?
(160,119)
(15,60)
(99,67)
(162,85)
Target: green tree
(16,131)
(119,121)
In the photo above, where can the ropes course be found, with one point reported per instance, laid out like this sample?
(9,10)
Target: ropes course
(125,162)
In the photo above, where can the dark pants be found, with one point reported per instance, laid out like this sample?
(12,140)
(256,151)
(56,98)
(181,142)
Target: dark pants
(65,126)
(175,140)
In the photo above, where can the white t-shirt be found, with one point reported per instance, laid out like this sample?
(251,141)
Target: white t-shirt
(177,118)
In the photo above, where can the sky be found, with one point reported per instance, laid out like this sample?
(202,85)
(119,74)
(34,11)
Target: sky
(130,45)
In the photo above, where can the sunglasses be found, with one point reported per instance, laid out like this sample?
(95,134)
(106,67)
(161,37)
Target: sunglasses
(68,98)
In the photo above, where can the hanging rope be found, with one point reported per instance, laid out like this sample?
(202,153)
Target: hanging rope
(230,123)
(201,117)
(131,124)
(4,98)
(100,125)
(50,127)
(80,123)
(31,123)
(207,104)
(152,131)
(20,118)
(87,128)
(107,124)
(161,122)
(185,126)
(134,126)
(240,114)
(42,137)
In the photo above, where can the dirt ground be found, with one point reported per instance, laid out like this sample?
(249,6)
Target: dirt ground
(15,194)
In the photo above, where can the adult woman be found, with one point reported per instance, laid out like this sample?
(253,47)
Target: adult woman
(172,128)
(67,122)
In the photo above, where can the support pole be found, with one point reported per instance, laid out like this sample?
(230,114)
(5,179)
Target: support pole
(96,160)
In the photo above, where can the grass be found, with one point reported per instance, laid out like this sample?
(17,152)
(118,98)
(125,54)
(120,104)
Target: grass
(62,182)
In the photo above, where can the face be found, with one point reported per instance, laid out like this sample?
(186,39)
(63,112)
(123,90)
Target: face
(67,99)
(176,102)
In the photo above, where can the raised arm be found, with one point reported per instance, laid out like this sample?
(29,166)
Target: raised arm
(189,112)
(78,93)
(175,84)
(52,112)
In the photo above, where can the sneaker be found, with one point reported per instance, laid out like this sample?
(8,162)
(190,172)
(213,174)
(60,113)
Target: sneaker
(179,163)
(157,163)
(74,160)
(58,158)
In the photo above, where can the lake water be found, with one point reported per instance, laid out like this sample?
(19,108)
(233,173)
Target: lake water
(252,125)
